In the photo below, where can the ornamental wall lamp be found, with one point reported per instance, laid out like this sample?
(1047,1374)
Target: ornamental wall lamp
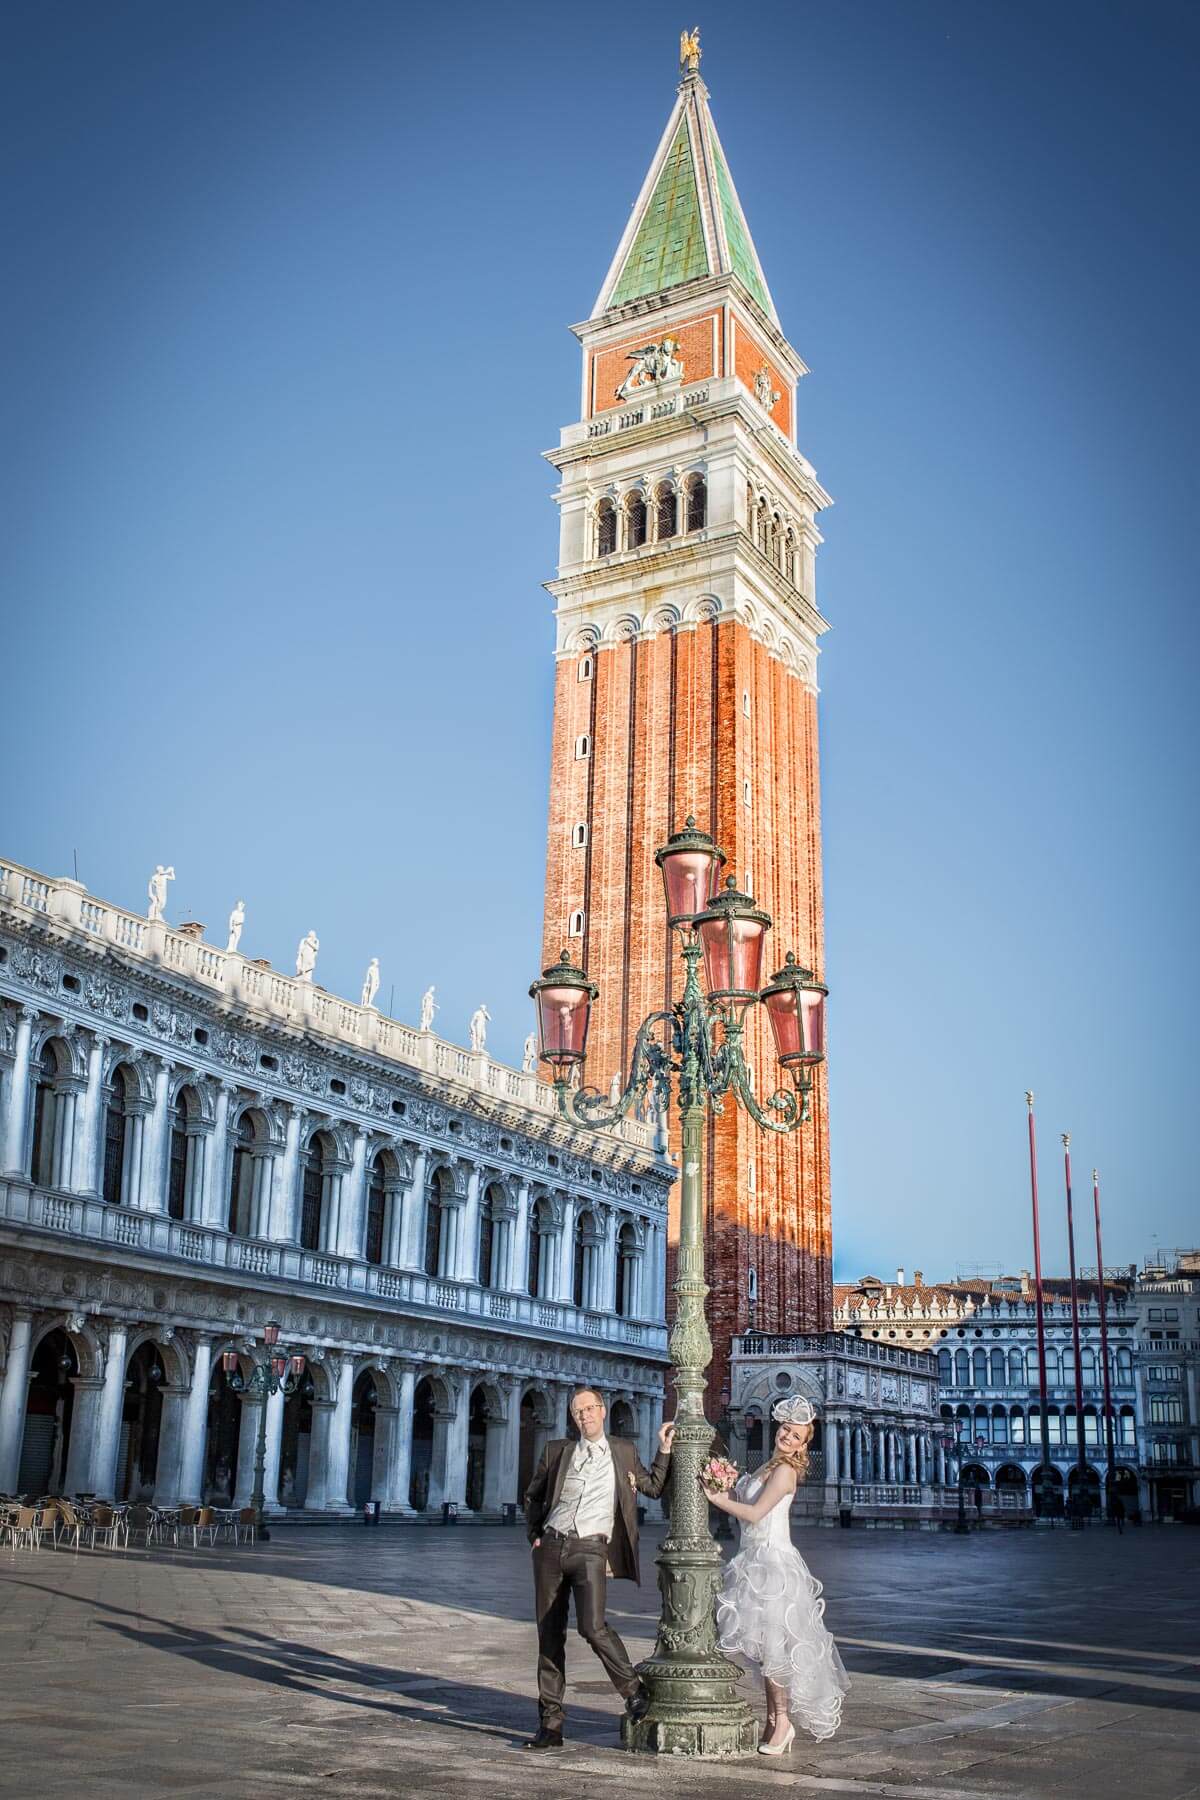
(694,1047)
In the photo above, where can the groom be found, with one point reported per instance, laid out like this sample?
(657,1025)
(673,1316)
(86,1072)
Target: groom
(582,1520)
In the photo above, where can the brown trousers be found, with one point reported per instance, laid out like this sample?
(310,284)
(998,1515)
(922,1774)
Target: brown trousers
(563,1566)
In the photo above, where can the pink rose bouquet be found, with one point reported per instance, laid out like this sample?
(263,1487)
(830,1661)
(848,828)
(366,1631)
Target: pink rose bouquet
(718,1474)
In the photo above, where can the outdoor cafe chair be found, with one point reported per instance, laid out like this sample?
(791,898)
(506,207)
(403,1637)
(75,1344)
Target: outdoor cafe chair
(111,1526)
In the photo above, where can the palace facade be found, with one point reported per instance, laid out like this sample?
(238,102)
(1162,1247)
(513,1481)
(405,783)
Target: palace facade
(193,1143)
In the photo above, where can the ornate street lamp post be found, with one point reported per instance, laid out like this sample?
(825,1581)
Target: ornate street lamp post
(697,1046)
(280,1370)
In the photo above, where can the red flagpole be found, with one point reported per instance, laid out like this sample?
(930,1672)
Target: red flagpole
(1109,1450)
(1082,1457)
(1041,1315)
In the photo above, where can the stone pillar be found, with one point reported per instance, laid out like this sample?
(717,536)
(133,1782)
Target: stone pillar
(275,1406)
(215,1210)
(168,1470)
(504,1453)
(466,1267)
(108,1423)
(195,1427)
(318,1455)
(152,1184)
(518,1258)
(412,1217)
(561,1396)
(454,1470)
(394,1497)
(18,1105)
(565,1289)
(14,1395)
(337,1478)
(352,1238)
(67,1132)
(199,1155)
(81,1449)
(285,1221)
(85,1175)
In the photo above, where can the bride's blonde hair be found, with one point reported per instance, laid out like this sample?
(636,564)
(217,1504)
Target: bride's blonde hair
(796,1460)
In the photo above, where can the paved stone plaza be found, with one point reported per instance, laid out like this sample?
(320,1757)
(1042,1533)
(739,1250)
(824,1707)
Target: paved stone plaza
(400,1661)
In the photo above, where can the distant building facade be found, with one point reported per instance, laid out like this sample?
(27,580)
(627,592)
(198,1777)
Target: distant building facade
(192,1143)
(983,1337)
(1166,1298)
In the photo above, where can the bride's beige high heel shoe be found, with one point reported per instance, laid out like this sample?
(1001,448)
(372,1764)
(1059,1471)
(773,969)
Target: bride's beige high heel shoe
(779,1749)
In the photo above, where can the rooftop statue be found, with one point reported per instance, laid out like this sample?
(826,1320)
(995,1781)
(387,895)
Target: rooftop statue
(428,1008)
(237,919)
(479,1025)
(689,51)
(306,955)
(370,986)
(157,890)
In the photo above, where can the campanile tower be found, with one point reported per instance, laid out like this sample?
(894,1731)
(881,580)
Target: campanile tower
(686,643)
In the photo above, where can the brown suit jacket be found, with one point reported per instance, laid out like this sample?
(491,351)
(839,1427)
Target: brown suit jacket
(541,1496)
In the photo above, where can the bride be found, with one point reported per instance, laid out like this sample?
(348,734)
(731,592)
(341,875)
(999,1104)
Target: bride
(769,1608)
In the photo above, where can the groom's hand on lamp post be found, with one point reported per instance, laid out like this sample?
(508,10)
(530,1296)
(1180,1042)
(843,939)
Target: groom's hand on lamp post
(666,1436)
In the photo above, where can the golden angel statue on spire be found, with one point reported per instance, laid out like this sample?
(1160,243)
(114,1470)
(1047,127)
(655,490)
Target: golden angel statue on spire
(689,51)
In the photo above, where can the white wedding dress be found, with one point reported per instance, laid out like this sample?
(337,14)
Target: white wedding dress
(770,1609)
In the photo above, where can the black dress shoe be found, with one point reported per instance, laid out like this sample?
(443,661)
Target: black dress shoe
(638,1705)
(545,1740)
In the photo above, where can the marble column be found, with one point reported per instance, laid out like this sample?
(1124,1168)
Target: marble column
(565,1289)
(274,1444)
(337,1480)
(352,1236)
(399,1475)
(501,1488)
(13,1397)
(285,1221)
(216,1201)
(466,1264)
(195,1427)
(18,1101)
(108,1424)
(152,1185)
(454,1473)
(409,1243)
(68,1115)
(168,1470)
(518,1260)
(84,1414)
(85,1175)
(318,1455)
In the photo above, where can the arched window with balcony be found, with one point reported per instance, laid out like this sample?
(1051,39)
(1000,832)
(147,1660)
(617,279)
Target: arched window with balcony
(1124,1366)
(179,1156)
(945,1369)
(537,1267)
(628,1298)
(764,528)
(606,528)
(116,1133)
(1087,1365)
(635,519)
(376,1210)
(962,1369)
(585,1234)
(1052,1373)
(241,1181)
(666,512)
(1016,1368)
(996,1365)
(789,557)
(697,503)
(979,1368)
(488,1238)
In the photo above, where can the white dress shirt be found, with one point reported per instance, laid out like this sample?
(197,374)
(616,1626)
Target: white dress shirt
(587,1503)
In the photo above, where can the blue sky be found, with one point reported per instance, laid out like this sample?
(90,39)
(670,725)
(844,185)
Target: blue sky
(285,318)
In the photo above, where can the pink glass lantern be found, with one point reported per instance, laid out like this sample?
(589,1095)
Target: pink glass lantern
(279,1365)
(732,936)
(691,868)
(271,1333)
(795,1005)
(563,998)
(297,1366)
(229,1361)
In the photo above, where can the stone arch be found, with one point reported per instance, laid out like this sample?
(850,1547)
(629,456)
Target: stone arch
(703,609)
(250,1154)
(665,618)
(488,1480)
(622,630)
(201,1100)
(435,1403)
(586,638)
(536,1427)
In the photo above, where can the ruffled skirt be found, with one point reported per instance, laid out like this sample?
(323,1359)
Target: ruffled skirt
(770,1610)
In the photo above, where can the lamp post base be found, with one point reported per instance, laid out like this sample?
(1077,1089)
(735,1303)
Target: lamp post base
(694,1712)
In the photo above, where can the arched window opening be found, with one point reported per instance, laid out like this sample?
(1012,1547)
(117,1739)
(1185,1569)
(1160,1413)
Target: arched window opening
(697,505)
(44,1102)
(627,1297)
(774,547)
(586,667)
(1016,1368)
(436,1236)
(376,1209)
(177,1163)
(764,528)
(945,1369)
(666,513)
(979,1369)
(487,1241)
(116,1121)
(635,520)
(536,1252)
(789,557)
(579,836)
(996,1361)
(606,528)
(1087,1364)
(241,1181)
(962,1369)
(575,925)
(583,747)
(313,1189)
(580,1283)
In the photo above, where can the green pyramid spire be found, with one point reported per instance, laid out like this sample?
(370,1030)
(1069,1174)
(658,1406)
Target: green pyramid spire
(669,246)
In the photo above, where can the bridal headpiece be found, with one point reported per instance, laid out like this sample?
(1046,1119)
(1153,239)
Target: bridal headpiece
(796,1411)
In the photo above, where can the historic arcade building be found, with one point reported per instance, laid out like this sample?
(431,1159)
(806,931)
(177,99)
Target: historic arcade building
(192,1143)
